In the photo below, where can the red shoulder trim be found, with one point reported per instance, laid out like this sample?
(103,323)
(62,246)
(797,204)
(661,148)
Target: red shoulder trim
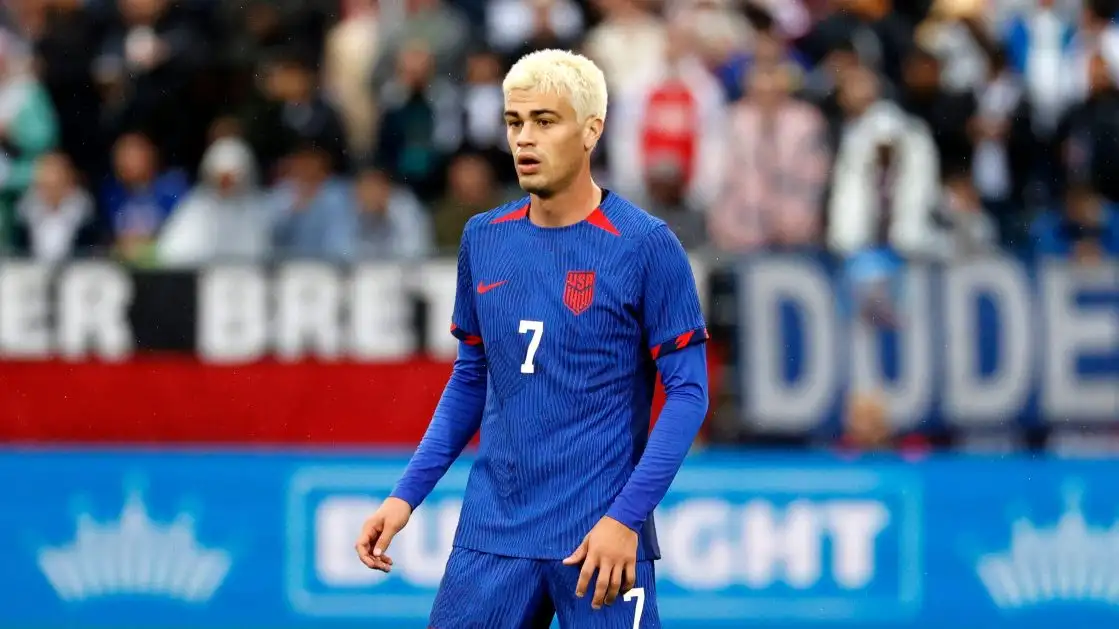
(599,220)
(515,215)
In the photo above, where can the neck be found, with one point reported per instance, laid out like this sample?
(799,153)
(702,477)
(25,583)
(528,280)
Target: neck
(567,207)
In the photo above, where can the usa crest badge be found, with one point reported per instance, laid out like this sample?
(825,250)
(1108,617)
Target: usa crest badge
(579,291)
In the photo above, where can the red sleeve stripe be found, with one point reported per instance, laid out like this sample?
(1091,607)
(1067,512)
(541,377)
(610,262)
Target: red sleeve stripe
(465,337)
(687,339)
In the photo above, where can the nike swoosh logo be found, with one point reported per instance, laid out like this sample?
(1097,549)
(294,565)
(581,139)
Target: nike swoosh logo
(485,288)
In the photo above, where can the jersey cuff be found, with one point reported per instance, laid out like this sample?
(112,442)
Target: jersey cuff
(464,336)
(694,336)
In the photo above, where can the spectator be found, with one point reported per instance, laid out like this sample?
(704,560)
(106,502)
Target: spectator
(471,188)
(518,27)
(956,32)
(945,113)
(28,127)
(776,170)
(668,201)
(392,225)
(483,102)
(724,37)
(967,229)
(1037,44)
(295,112)
(866,424)
(1096,35)
(756,39)
(139,196)
(349,60)
(882,38)
(1003,161)
(1088,136)
(677,117)
(312,209)
(1086,232)
(55,219)
(886,172)
(420,127)
(62,33)
(433,25)
(147,64)
(223,218)
(629,44)
(257,29)
(821,87)
(867,429)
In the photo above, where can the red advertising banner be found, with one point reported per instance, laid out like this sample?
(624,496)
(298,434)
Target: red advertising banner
(185,401)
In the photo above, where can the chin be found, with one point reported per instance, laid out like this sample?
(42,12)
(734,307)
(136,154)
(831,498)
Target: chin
(536,187)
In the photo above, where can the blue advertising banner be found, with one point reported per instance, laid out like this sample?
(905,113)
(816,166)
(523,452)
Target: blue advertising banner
(976,344)
(240,541)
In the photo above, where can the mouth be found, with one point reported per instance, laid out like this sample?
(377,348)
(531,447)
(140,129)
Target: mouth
(527,164)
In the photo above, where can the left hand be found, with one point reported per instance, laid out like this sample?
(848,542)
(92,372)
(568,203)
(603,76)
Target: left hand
(611,549)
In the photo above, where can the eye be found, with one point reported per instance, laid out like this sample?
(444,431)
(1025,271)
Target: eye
(545,123)
(513,124)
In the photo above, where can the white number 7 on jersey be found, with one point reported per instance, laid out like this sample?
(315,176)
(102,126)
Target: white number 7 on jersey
(639,594)
(537,329)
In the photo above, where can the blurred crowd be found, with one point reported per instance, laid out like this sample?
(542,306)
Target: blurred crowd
(176,132)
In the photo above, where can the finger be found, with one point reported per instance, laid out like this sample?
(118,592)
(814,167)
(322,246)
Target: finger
(629,579)
(578,556)
(377,563)
(382,543)
(368,560)
(615,584)
(364,551)
(370,531)
(365,554)
(601,584)
(585,577)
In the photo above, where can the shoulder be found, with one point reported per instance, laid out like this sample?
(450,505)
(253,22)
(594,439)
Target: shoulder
(518,208)
(650,239)
(479,224)
(630,221)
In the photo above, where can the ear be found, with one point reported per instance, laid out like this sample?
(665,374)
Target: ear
(592,132)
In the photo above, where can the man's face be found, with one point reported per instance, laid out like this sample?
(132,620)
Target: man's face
(228,181)
(288,82)
(373,190)
(134,160)
(52,180)
(548,142)
(922,74)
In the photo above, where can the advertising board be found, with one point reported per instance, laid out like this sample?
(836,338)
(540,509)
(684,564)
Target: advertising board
(241,540)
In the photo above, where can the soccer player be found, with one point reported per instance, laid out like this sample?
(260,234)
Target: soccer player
(568,304)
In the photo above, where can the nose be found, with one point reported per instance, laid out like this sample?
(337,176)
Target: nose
(525,138)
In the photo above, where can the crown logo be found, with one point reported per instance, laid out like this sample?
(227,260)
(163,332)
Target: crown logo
(134,556)
(1071,561)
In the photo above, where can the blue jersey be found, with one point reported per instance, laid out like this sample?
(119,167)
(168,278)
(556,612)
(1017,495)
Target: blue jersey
(571,320)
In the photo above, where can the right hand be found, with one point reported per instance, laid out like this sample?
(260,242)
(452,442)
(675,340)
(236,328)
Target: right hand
(378,531)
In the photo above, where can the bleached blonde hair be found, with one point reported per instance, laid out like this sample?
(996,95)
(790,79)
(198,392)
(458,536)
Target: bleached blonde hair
(562,73)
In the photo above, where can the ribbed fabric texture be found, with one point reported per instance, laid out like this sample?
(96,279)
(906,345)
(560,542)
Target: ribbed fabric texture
(485,591)
(456,419)
(685,388)
(569,320)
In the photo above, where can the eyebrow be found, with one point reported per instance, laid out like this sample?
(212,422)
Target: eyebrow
(535,113)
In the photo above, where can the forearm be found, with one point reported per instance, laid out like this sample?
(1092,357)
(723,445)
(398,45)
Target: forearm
(454,424)
(684,374)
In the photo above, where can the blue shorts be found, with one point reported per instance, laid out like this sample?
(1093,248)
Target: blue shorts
(484,591)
